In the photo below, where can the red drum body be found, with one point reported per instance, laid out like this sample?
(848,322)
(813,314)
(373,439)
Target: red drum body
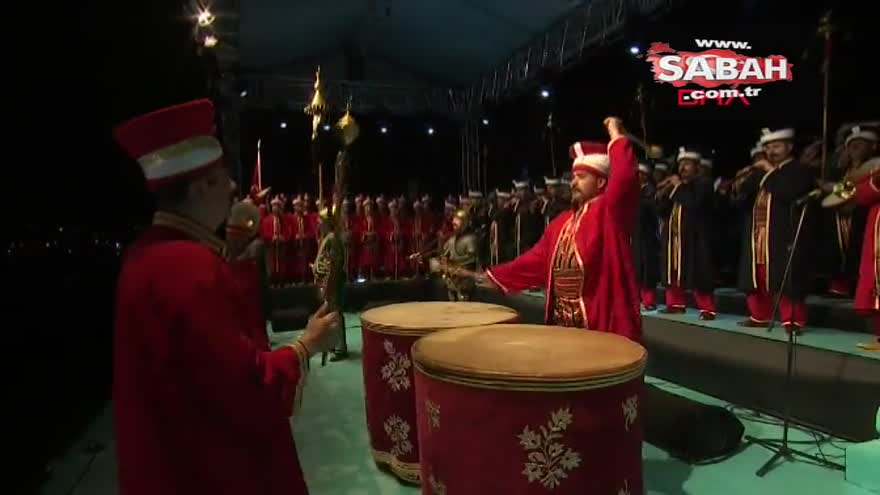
(529,409)
(388,334)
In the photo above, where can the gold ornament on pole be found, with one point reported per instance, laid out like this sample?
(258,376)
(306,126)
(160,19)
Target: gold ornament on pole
(318,107)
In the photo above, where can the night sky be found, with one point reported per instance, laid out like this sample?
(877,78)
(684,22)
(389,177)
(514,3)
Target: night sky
(132,58)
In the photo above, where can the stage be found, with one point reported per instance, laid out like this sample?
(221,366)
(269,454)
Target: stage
(716,363)
(334,449)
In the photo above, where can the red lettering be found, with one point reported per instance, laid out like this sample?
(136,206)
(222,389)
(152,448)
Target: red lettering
(686,100)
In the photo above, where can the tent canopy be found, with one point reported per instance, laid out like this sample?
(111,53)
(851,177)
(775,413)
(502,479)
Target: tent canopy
(438,42)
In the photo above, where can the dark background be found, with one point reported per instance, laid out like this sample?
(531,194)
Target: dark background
(74,195)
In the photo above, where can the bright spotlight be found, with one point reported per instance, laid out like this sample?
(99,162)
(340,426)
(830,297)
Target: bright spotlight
(284,125)
(210,41)
(430,131)
(634,50)
(545,93)
(243,93)
(383,130)
(485,121)
(326,127)
(206,18)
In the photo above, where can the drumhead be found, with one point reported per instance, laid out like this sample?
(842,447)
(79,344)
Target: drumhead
(537,356)
(429,316)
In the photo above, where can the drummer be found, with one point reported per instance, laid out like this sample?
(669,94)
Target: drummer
(584,258)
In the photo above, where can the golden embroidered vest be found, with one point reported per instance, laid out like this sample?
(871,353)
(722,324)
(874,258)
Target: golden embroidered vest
(567,278)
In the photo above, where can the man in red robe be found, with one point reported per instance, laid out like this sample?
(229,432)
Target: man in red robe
(304,244)
(276,234)
(370,246)
(396,234)
(198,406)
(867,298)
(584,258)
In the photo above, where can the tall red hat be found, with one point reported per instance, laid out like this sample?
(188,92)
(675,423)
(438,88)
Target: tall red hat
(172,144)
(589,156)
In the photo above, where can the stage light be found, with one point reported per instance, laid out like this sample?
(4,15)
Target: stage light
(210,41)
(383,130)
(243,93)
(485,121)
(206,18)
(430,131)
(284,125)
(545,93)
(326,127)
(634,50)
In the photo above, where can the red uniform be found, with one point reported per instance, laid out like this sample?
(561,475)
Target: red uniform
(276,234)
(370,246)
(198,406)
(597,289)
(422,233)
(396,240)
(304,245)
(868,291)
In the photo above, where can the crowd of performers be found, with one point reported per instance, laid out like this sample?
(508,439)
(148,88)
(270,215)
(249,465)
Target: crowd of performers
(190,343)
(692,224)
(389,238)
(691,227)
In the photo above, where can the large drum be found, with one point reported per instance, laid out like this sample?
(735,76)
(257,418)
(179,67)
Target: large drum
(529,409)
(388,334)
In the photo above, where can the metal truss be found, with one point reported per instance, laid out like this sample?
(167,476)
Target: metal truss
(564,44)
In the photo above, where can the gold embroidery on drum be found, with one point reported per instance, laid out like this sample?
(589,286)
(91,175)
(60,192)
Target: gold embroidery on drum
(437,487)
(398,431)
(549,460)
(396,370)
(630,411)
(625,489)
(433,414)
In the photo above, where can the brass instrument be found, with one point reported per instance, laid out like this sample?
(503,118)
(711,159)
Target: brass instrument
(665,186)
(842,192)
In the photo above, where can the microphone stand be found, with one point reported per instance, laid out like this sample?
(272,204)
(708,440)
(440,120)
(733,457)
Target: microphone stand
(780,447)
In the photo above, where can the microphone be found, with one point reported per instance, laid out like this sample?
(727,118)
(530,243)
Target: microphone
(814,194)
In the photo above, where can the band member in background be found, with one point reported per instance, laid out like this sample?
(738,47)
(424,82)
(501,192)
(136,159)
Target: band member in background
(248,264)
(369,241)
(685,200)
(706,166)
(555,203)
(459,259)
(446,228)
(646,240)
(501,241)
(305,241)
(772,192)
(422,229)
(527,224)
(584,258)
(181,353)
(349,240)
(275,230)
(843,227)
(661,170)
(867,298)
(395,231)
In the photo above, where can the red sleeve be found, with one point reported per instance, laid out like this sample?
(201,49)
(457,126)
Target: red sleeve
(223,367)
(530,268)
(266,227)
(623,185)
(867,192)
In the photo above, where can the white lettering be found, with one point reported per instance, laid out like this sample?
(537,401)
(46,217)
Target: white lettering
(667,64)
(729,93)
(737,45)
(751,69)
(697,94)
(698,67)
(770,67)
(712,93)
(725,69)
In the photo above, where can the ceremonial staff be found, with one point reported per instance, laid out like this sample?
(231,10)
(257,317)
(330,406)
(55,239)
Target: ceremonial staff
(825,30)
